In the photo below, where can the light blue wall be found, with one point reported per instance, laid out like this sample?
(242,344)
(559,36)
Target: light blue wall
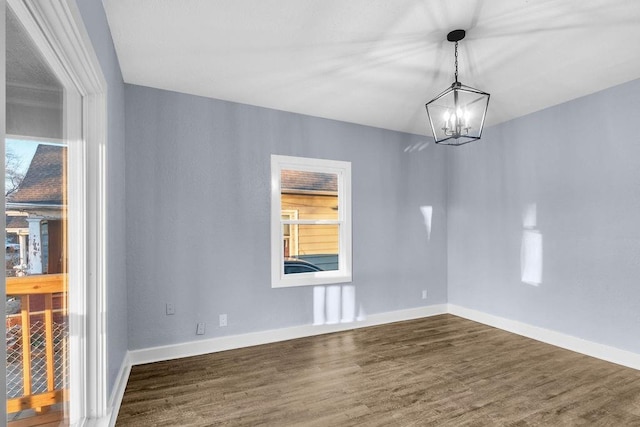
(579,163)
(198,184)
(95,22)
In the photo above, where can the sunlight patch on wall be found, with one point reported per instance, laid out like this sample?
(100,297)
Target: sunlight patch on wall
(427,213)
(334,304)
(418,146)
(531,248)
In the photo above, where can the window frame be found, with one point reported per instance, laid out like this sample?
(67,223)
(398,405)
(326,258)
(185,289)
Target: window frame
(343,171)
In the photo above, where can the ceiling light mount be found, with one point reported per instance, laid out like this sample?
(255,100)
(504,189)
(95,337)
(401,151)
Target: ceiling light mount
(456,35)
(457,115)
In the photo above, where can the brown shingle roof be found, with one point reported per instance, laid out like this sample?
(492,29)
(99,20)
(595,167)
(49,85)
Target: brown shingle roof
(308,181)
(43,182)
(16,221)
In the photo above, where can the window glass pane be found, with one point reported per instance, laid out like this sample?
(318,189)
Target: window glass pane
(313,195)
(315,249)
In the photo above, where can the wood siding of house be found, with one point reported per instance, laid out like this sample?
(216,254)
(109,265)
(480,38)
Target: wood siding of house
(313,239)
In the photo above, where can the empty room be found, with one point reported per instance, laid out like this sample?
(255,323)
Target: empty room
(321,213)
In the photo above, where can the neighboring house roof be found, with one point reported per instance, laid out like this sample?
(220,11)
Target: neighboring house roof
(14,222)
(43,182)
(308,181)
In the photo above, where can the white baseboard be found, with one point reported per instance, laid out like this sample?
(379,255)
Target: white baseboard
(558,339)
(118,390)
(113,405)
(213,345)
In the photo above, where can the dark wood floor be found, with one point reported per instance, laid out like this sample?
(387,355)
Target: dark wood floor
(441,370)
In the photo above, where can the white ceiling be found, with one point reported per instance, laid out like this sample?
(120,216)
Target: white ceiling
(376,62)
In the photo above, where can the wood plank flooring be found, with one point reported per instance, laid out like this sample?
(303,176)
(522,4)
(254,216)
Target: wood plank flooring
(442,370)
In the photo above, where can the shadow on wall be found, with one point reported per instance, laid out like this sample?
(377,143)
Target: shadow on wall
(335,304)
(531,248)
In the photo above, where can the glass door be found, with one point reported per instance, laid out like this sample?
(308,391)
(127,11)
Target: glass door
(36,260)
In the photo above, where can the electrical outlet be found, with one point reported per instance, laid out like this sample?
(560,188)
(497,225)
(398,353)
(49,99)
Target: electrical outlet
(223,320)
(171,309)
(424,294)
(200,328)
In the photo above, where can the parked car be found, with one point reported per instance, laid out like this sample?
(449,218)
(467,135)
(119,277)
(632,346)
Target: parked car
(295,265)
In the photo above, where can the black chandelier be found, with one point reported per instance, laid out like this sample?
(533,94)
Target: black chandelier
(457,115)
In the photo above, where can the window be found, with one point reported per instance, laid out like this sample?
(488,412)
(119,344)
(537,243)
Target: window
(310,221)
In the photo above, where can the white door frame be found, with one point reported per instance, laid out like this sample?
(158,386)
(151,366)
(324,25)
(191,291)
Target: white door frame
(3,105)
(58,31)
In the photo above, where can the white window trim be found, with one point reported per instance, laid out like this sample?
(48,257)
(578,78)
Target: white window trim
(293,235)
(58,31)
(344,273)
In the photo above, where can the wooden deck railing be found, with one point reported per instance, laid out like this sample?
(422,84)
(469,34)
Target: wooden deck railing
(42,306)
